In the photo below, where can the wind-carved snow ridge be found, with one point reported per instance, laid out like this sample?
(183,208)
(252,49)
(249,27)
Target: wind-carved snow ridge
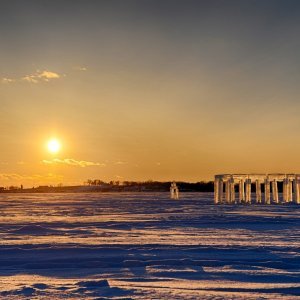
(33,230)
(146,246)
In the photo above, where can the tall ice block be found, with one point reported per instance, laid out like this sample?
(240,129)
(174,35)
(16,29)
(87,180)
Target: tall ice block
(245,183)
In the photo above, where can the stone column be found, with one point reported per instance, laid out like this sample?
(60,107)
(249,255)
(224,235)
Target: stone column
(296,190)
(241,191)
(285,190)
(216,190)
(220,191)
(258,191)
(232,191)
(267,191)
(248,190)
(227,191)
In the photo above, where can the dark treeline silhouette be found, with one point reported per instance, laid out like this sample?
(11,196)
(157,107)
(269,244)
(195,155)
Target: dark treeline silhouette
(155,186)
(96,185)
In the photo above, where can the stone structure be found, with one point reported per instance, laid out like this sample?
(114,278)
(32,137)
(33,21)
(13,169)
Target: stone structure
(245,183)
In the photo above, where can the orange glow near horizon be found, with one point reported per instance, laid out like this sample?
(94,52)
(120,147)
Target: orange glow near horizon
(141,92)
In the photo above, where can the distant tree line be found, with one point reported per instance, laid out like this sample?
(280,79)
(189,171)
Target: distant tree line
(97,185)
(11,188)
(150,185)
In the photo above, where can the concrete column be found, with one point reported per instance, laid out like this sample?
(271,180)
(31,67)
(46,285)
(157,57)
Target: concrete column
(275,191)
(220,191)
(248,190)
(285,190)
(216,190)
(232,191)
(267,191)
(227,191)
(258,191)
(241,191)
(296,190)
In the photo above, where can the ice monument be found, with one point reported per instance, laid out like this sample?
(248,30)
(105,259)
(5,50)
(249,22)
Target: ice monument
(174,191)
(291,188)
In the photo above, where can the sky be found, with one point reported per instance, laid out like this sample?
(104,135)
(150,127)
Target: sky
(148,90)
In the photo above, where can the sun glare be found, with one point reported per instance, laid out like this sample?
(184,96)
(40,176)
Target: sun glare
(53,146)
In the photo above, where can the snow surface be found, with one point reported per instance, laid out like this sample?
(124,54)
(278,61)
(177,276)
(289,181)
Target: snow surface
(146,246)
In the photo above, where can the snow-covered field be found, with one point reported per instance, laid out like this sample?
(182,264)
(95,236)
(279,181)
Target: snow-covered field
(146,246)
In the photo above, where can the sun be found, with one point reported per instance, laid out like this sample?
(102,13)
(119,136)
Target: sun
(53,146)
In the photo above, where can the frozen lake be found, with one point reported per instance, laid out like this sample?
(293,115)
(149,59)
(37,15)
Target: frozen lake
(146,246)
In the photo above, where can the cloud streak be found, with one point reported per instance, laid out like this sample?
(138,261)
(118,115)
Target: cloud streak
(119,162)
(72,162)
(7,80)
(15,176)
(41,76)
(80,68)
(37,77)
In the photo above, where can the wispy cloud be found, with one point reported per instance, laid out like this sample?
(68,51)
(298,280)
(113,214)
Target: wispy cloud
(7,80)
(38,76)
(41,76)
(15,176)
(119,162)
(73,162)
(78,68)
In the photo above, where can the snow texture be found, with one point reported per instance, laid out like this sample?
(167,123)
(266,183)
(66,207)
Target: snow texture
(146,246)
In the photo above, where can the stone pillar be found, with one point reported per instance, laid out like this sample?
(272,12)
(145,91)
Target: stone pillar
(232,191)
(275,191)
(227,191)
(220,191)
(296,190)
(267,191)
(248,190)
(241,191)
(216,190)
(285,189)
(258,191)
